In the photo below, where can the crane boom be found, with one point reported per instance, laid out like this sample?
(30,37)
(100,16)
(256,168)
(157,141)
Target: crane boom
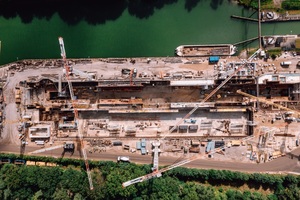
(76,117)
(62,48)
(158,172)
(267,102)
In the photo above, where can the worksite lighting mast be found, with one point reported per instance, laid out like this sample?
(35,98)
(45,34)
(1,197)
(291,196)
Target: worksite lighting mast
(74,103)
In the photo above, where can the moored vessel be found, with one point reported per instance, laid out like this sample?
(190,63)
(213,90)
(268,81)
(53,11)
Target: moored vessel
(205,50)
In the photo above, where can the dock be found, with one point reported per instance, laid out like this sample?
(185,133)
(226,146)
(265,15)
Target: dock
(245,41)
(244,18)
(281,18)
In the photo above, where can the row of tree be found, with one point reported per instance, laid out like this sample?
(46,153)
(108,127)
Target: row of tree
(291,5)
(254,4)
(69,181)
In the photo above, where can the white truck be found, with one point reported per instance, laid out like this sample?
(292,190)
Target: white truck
(286,63)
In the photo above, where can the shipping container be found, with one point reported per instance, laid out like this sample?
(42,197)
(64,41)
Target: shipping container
(138,145)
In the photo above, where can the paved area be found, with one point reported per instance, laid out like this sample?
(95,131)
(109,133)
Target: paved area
(289,163)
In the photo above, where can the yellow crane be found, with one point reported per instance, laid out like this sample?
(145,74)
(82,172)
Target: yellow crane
(74,104)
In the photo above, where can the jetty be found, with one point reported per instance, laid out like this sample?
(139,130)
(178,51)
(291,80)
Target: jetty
(245,41)
(244,18)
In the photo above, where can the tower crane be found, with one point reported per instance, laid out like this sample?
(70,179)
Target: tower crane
(76,116)
(157,173)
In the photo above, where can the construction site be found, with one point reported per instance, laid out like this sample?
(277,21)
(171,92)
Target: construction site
(240,109)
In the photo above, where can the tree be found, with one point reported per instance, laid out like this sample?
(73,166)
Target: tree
(188,191)
(7,194)
(74,180)
(61,194)
(38,195)
(205,193)
(78,197)
(273,56)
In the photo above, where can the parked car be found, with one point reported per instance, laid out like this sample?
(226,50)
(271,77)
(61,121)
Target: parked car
(123,159)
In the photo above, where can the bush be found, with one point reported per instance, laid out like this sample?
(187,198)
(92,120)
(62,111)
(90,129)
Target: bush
(291,5)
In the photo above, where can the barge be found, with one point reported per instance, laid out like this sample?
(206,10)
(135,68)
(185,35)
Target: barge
(205,50)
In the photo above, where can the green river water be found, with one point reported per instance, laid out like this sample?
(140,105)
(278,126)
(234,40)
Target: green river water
(126,35)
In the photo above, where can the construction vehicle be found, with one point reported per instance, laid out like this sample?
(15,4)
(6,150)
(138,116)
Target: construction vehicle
(76,117)
(157,173)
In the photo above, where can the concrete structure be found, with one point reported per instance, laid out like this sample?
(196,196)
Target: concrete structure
(40,132)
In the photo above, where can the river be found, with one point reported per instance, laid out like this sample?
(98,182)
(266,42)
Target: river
(124,29)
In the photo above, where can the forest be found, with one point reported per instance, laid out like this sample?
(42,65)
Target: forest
(69,180)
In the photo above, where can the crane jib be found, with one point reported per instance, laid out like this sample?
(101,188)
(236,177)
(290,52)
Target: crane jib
(76,117)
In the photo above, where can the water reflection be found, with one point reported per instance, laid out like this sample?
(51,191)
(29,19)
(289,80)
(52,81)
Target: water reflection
(92,11)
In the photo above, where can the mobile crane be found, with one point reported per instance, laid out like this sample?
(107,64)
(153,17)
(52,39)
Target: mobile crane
(74,103)
(157,173)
